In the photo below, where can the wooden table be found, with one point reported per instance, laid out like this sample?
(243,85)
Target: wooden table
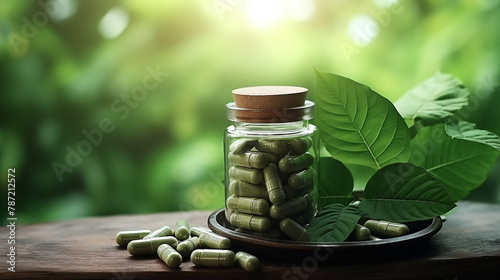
(468,246)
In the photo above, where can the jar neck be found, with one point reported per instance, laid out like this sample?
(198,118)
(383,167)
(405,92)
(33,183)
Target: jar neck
(271,128)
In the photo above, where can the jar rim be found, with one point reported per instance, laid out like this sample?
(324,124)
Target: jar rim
(272,115)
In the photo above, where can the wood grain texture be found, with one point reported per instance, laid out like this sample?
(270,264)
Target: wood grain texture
(468,246)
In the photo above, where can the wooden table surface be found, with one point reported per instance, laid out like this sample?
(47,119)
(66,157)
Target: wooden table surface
(468,246)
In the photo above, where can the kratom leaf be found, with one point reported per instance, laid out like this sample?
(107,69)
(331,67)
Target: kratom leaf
(403,192)
(435,98)
(335,182)
(358,125)
(467,131)
(333,223)
(461,165)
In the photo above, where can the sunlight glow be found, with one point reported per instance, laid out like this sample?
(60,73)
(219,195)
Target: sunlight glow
(113,23)
(266,13)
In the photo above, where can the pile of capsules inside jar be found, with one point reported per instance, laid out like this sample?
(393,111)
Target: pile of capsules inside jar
(271,181)
(198,244)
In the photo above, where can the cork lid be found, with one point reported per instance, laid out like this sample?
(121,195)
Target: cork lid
(268,104)
(268,97)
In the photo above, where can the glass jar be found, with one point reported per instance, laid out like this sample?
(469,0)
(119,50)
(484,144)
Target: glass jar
(271,156)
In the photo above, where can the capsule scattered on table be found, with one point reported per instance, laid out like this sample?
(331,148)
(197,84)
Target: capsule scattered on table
(248,205)
(244,189)
(149,246)
(197,231)
(213,257)
(249,175)
(169,255)
(250,222)
(386,229)
(214,241)
(302,179)
(288,208)
(163,231)
(273,184)
(186,247)
(293,230)
(181,230)
(360,233)
(290,164)
(257,160)
(248,262)
(125,236)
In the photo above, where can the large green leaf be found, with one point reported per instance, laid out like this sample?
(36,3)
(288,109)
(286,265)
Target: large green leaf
(467,131)
(461,165)
(357,124)
(334,223)
(403,192)
(335,182)
(436,98)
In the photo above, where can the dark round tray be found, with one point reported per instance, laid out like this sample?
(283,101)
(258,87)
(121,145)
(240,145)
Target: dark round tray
(407,245)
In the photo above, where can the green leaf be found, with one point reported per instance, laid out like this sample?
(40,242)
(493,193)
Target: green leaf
(334,223)
(467,131)
(461,165)
(335,183)
(436,98)
(403,192)
(358,125)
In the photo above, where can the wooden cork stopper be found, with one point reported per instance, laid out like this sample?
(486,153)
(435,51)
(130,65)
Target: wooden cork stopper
(269,97)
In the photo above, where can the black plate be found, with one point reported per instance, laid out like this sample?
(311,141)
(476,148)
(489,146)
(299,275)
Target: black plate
(421,232)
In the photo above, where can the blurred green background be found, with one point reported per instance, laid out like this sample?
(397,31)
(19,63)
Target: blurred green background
(67,66)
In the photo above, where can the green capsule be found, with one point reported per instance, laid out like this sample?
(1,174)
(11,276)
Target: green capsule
(228,212)
(360,233)
(186,247)
(213,257)
(248,205)
(182,230)
(290,164)
(249,175)
(300,146)
(289,208)
(248,262)
(385,229)
(250,222)
(274,185)
(242,145)
(249,159)
(144,247)
(214,241)
(169,255)
(240,188)
(272,158)
(124,237)
(279,147)
(197,231)
(374,238)
(302,179)
(163,231)
(304,217)
(293,230)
